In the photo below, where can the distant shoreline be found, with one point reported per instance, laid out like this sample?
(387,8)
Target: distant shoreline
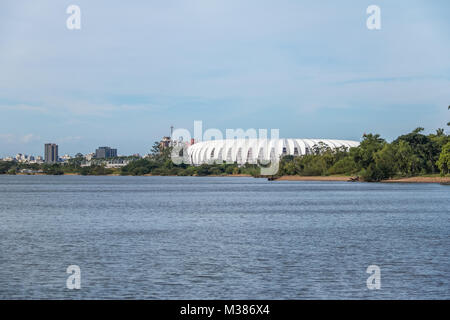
(418,179)
(313,178)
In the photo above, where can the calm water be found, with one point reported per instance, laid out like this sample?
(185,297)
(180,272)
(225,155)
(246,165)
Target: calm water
(221,238)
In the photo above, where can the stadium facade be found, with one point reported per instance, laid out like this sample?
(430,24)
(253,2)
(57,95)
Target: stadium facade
(251,151)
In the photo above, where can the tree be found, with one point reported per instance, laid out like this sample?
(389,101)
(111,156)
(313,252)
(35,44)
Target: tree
(155,149)
(53,169)
(6,166)
(444,160)
(160,153)
(385,163)
(424,148)
(345,165)
(364,154)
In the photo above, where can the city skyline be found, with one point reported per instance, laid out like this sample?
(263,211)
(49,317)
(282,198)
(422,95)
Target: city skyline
(51,155)
(310,70)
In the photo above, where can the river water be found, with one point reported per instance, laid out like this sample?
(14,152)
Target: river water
(221,238)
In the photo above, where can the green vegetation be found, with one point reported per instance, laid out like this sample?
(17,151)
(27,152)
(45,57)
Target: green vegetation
(159,163)
(444,160)
(412,154)
(10,167)
(6,166)
(374,160)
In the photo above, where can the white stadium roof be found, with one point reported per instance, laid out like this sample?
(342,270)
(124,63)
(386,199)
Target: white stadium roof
(250,150)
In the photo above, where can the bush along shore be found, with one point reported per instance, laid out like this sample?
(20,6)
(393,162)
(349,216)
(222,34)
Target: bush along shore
(411,155)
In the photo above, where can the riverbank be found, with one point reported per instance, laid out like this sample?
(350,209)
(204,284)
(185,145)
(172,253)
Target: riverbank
(419,179)
(313,178)
(239,175)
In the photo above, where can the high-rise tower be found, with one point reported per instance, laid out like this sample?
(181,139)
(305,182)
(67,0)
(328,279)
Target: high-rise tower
(51,153)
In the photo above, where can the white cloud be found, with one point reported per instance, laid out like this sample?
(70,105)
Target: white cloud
(7,138)
(10,138)
(29,138)
(228,61)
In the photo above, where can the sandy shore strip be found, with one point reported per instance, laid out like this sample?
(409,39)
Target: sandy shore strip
(313,178)
(347,178)
(444,180)
(420,180)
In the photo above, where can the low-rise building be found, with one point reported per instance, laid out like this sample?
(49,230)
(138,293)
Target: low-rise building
(66,157)
(89,156)
(105,152)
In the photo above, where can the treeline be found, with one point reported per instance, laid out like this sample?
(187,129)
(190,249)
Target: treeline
(168,168)
(93,170)
(11,167)
(159,163)
(375,159)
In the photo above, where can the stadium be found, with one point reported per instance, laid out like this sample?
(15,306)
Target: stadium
(251,151)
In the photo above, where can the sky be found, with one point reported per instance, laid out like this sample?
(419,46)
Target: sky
(311,69)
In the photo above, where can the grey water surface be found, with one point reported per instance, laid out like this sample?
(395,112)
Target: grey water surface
(221,238)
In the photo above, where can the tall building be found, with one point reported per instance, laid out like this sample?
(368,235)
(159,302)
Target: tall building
(51,153)
(105,152)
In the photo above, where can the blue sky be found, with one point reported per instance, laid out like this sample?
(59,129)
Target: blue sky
(309,68)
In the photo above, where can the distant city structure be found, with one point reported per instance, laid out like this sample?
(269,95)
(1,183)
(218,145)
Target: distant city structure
(65,158)
(165,142)
(105,152)
(51,153)
(89,156)
(106,156)
(23,158)
(253,150)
